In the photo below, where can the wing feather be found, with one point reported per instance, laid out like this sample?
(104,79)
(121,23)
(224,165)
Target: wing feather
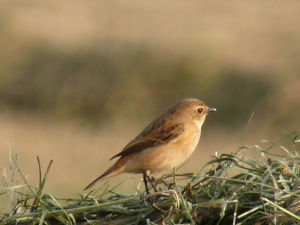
(156,133)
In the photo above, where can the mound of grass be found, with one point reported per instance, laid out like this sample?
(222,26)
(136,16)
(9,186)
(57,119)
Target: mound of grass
(235,189)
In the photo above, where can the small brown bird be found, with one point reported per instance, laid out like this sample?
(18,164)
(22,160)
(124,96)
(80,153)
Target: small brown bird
(165,143)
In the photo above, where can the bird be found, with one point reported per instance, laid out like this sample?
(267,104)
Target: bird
(166,142)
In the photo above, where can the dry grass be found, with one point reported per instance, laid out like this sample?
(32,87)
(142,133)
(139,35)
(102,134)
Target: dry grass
(159,52)
(261,191)
(81,153)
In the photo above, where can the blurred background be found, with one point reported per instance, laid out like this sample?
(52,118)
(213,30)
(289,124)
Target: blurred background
(80,79)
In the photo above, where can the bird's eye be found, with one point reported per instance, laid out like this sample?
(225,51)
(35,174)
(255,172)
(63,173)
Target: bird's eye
(200,110)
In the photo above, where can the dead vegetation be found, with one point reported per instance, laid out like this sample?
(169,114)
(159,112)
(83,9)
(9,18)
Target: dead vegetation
(233,190)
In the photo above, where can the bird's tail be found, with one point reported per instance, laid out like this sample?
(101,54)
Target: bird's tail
(114,170)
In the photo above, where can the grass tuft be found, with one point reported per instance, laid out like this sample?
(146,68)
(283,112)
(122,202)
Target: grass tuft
(234,189)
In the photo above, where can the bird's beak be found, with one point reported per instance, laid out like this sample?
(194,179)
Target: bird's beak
(211,109)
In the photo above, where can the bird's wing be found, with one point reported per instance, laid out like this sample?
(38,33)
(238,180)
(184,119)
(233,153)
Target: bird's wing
(157,133)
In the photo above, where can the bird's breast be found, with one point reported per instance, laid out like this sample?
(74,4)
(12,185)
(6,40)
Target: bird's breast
(164,156)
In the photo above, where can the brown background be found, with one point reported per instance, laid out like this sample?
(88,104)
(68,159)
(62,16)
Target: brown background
(80,79)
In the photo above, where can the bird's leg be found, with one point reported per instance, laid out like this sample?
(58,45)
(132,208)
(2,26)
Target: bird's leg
(145,182)
(147,177)
(150,181)
(174,175)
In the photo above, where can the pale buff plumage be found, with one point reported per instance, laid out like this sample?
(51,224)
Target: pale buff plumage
(165,143)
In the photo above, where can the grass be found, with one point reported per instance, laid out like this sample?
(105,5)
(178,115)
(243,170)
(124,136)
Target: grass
(234,189)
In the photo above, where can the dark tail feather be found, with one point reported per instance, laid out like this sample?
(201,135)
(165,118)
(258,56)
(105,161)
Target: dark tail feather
(116,169)
(95,181)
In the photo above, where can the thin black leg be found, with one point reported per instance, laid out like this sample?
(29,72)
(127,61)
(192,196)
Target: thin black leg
(145,182)
(146,177)
(153,186)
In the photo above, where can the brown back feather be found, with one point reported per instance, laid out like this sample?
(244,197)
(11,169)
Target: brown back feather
(156,133)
